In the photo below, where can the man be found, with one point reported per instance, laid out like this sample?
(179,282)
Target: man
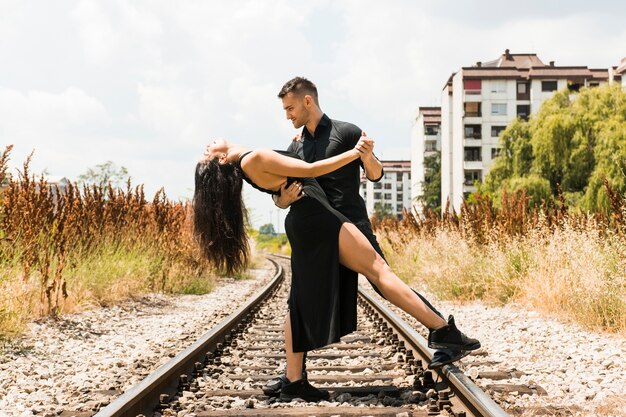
(321,138)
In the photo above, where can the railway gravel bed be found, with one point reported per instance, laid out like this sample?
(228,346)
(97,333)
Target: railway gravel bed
(533,365)
(530,364)
(83,361)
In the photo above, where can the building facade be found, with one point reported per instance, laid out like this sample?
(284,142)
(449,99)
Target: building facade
(425,142)
(392,192)
(478,102)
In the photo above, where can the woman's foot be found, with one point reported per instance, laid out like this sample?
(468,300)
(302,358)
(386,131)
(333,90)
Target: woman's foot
(451,338)
(304,390)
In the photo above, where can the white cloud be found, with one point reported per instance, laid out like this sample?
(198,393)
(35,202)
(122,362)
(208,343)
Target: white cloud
(31,115)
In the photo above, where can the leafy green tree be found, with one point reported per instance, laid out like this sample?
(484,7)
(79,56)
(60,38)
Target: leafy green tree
(431,186)
(267,229)
(104,173)
(381,211)
(573,143)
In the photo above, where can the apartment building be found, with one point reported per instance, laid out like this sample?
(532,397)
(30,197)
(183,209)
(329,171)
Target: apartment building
(478,102)
(425,141)
(392,192)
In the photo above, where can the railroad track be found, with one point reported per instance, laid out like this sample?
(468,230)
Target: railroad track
(379,370)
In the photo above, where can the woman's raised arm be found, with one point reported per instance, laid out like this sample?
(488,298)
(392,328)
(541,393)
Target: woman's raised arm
(275,163)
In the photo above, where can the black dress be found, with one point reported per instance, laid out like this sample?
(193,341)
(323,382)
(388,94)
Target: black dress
(322,300)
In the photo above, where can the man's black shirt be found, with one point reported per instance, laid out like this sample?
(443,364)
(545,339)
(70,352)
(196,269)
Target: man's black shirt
(331,138)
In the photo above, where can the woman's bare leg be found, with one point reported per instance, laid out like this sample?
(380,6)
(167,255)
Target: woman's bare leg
(357,254)
(294,359)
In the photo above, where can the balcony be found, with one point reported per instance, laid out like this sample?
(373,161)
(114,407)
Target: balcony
(472,109)
(473,132)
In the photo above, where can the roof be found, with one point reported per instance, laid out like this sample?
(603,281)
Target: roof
(508,60)
(527,66)
(568,72)
(396,164)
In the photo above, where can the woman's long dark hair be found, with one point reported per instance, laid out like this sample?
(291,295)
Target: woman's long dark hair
(219,215)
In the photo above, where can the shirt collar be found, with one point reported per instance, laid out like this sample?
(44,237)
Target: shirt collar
(324,122)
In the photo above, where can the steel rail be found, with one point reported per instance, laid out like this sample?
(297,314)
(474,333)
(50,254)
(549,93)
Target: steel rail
(476,400)
(143,397)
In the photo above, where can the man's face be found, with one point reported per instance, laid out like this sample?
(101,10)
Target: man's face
(296,109)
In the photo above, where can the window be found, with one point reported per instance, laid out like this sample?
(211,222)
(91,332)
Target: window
(388,186)
(473,132)
(387,196)
(472,175)
(431,130)
(400,197)
(398,176)
(574,86)
(377,196)
(388,175)
(498,109)
(523,111)
(399,208)
(498,86)
(594,84)
(472,86)
(430,146)
(378,186)
(523,92)
(548,86)
(472,153)
(472,109)
(496,130)
(495,152)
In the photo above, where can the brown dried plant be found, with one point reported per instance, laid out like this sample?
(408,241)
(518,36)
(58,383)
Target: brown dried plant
(46,229)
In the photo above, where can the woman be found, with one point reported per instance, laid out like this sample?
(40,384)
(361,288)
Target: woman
(322,307)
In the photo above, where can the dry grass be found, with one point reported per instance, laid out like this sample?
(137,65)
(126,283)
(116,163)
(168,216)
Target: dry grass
(564,264)
(64,250)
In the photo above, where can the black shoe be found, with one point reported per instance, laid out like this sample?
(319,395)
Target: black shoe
(304,390)
(273,386)
(451,337)
(446,356)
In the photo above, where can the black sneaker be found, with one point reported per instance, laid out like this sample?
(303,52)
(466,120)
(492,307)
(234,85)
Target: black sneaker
(273,386)
(451,337)
(304,390)
(446,356)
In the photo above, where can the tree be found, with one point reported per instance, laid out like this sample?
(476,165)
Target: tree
(431,186)
(573,143)
(382,211)
(104,174)
(267,229)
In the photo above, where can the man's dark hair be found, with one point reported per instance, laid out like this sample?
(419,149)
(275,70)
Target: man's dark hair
(299,86)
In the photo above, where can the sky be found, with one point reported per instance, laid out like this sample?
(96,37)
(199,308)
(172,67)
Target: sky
(147,84)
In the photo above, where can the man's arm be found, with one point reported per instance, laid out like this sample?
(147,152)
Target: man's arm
(372,166)
(291,194)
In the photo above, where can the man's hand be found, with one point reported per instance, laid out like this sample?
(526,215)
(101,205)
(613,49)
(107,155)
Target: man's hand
(288,195)
(365,146)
